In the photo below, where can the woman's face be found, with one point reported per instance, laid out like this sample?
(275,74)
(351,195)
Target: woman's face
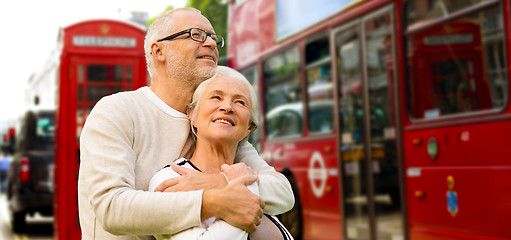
(223,111)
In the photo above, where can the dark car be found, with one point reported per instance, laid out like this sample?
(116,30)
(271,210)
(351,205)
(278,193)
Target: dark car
(30,175)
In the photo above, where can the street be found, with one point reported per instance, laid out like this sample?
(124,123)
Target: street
(38,227)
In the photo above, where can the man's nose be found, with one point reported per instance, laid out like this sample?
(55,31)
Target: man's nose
(209,42)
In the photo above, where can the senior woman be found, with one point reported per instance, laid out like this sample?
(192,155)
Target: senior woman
(222,114)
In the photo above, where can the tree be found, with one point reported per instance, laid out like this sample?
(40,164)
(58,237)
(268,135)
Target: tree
(150,21)
(216,11)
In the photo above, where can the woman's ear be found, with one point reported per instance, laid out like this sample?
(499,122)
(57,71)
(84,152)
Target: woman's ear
(251,127)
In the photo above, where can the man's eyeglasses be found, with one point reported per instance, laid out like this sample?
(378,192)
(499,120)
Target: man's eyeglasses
(198,35)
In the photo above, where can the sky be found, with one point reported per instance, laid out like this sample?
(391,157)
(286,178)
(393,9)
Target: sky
(28,34)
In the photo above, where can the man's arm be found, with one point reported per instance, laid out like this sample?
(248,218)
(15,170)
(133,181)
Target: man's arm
(274,188)
(221,229)
(233,202)
(107,189)
(241,212)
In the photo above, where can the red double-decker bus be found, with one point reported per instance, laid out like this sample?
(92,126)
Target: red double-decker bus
(93,58)
(391,119)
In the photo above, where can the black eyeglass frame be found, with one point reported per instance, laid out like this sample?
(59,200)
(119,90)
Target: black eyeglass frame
(189,31)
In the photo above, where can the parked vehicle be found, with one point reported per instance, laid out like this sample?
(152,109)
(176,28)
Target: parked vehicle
(30,175)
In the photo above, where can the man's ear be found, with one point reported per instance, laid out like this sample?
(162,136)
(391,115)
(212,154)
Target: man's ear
(157,52)
(190,115)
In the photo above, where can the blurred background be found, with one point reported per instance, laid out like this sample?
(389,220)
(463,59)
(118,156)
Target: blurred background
(30,35)
(390,118)
(30,49)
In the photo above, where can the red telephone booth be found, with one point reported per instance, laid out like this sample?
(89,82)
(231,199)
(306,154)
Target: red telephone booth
(98,58)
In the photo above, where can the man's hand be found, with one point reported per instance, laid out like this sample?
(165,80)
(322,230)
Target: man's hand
(234,203)
(236,170)
(190,180)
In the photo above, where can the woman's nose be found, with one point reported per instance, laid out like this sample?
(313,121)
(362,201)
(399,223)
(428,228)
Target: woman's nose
(226,108)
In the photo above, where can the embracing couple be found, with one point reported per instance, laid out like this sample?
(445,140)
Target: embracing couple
(171,160)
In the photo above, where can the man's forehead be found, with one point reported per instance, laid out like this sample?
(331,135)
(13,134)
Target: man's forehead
(191,19)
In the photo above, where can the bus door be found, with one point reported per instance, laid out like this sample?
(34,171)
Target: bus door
(368,124)
(89,79)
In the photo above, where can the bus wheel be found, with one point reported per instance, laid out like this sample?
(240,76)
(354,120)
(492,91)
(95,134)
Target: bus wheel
(18,221)
(292,219)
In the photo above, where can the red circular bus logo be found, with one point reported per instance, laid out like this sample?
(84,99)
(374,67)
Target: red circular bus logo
(317,174)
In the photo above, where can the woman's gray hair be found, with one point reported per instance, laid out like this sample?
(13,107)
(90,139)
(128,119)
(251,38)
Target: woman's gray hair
(159,29)
(222,71)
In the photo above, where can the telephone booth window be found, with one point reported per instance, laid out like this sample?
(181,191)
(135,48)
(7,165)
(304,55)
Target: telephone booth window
(118,73)
(96,80)
(80,93)
(129,75)
(79,79)
(79,76)
(79,115)
(456,63)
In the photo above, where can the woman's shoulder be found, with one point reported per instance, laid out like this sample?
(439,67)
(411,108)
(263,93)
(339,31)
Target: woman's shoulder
(185,163)
(167,172)
(163,174)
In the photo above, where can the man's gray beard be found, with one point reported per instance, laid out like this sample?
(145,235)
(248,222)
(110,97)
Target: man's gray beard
(191,76)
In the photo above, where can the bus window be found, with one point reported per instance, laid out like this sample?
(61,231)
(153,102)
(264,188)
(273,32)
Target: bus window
(251,74)
(319,86)
(283,94)
(456,66)
(428,10)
